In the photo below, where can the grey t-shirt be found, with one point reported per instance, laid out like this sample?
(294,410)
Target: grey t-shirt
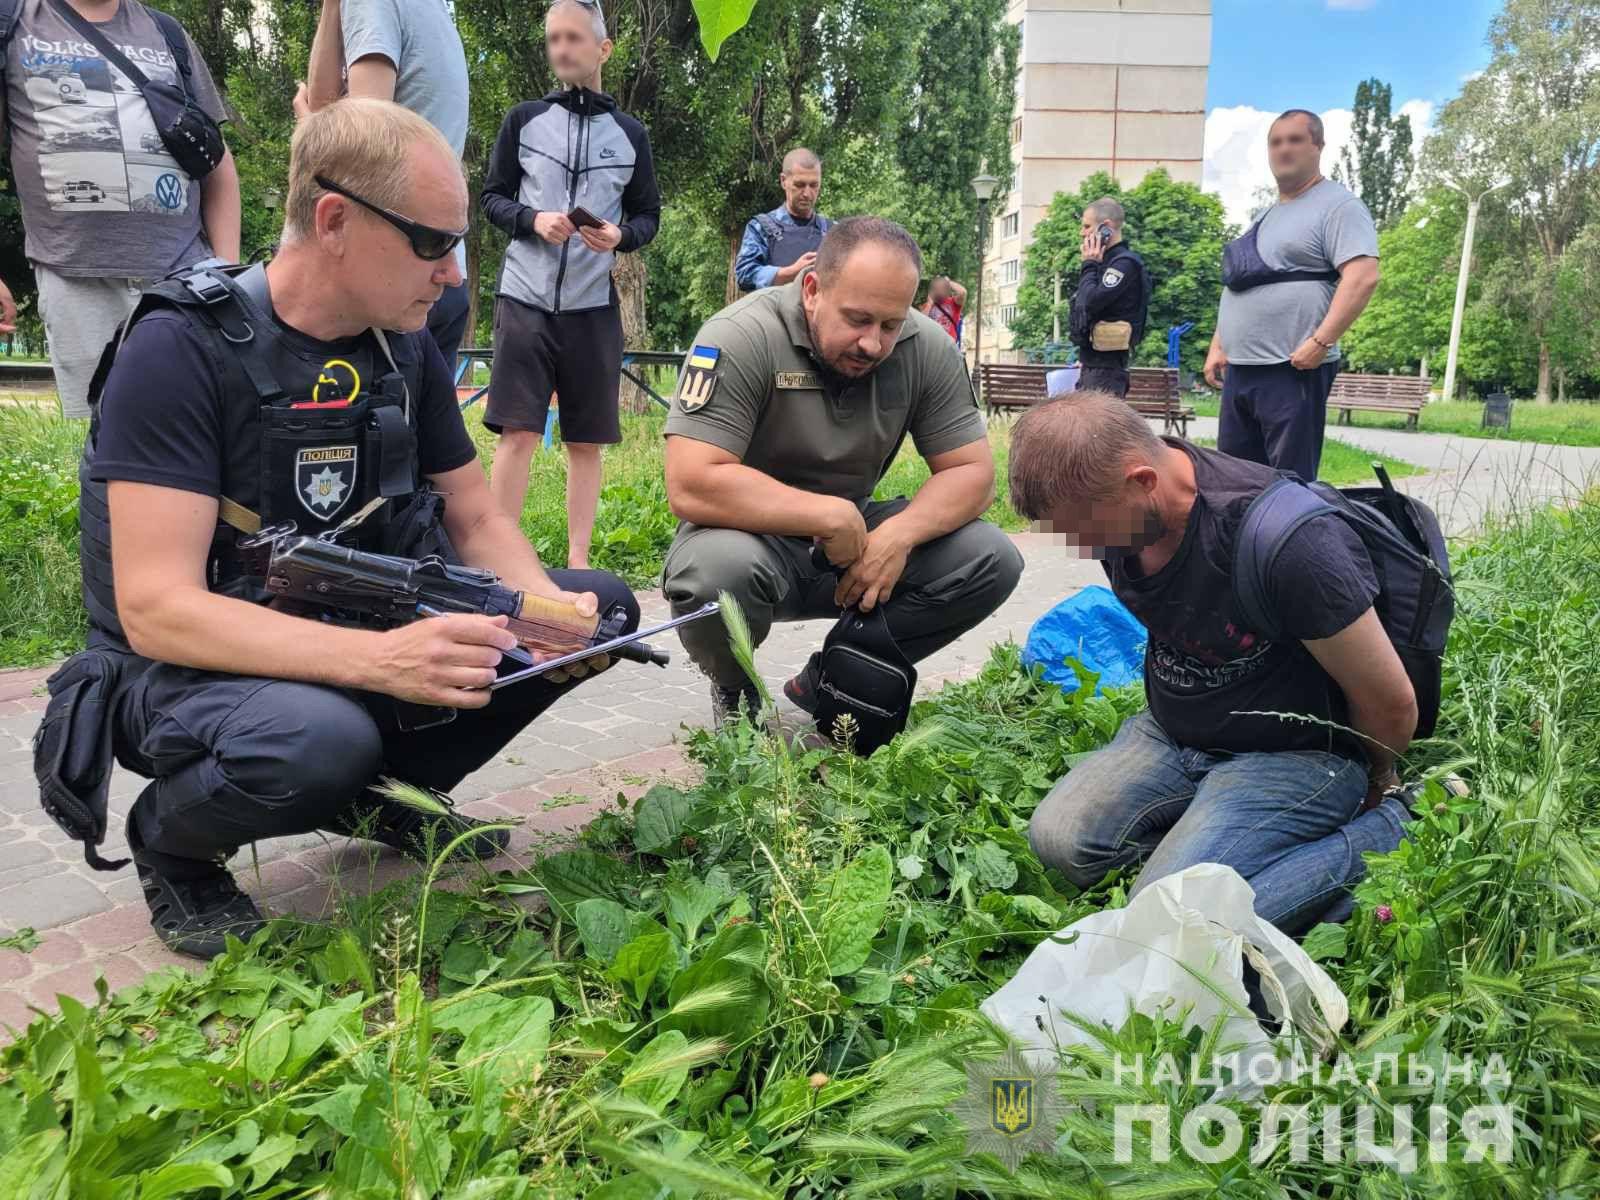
(1319,230)
(100,194)
(420,40)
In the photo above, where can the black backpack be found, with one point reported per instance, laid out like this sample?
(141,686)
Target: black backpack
(1415,602)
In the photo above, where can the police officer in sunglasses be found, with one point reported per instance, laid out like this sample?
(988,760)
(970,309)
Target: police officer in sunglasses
(302,391)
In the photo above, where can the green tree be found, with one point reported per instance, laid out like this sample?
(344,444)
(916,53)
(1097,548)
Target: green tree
(958,118)
(1376,162)
(1532,119)
(1408,318)
(1175,227)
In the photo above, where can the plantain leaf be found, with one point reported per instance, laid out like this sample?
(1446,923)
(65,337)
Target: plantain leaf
(604,927)
(855,909)
(661,820)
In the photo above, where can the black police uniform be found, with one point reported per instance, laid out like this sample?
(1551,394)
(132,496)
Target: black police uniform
(1116,289)
(233,759)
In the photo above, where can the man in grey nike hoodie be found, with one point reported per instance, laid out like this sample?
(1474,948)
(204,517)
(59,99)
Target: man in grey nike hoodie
(557,326)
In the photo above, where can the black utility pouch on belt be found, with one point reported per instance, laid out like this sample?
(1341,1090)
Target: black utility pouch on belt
(72,750)
(865,684)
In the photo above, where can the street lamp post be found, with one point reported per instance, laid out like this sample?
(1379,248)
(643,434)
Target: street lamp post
(983,187)
(1461,282)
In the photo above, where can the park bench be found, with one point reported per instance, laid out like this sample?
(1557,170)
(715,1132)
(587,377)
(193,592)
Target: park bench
(1012,385)
(1403,394)
(1152,391)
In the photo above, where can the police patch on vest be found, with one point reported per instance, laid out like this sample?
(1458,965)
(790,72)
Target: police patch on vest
(699,378)
(325,478)
(796,381)
(1111,278)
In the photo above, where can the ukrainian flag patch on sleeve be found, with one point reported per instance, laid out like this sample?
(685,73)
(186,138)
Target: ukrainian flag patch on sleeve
(698,378)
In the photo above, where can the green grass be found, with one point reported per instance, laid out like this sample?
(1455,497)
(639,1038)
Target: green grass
(41,617)
(41,610)
(766,984)
(1553,424)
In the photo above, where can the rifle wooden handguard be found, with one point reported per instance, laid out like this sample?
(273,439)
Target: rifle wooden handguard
(553,626)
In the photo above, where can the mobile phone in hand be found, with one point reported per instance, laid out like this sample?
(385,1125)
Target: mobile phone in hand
(584,219)
(1105,233)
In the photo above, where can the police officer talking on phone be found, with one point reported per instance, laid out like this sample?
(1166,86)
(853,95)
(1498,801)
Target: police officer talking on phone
(1112,302)
(304,391)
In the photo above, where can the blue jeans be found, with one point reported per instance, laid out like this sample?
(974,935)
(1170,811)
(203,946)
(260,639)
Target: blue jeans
(1289,822)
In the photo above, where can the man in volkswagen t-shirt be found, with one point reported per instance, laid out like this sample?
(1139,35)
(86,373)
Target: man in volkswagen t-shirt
(1276,349)
(105,207)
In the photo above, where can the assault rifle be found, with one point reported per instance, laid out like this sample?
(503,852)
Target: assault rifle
(317,577)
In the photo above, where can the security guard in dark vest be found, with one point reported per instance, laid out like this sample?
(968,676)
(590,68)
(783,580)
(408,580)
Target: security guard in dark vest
(1112,302)
(778,245)
(236,400)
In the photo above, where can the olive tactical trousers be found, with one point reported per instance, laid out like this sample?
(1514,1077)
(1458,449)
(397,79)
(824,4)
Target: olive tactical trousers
(950,585)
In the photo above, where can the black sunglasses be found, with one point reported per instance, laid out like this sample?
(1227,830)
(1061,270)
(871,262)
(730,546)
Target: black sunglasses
(428,243)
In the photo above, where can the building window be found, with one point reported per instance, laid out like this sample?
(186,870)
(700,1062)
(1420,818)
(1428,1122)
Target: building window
(1011,225)
(1010,270)
(1016,130)
(1008,313)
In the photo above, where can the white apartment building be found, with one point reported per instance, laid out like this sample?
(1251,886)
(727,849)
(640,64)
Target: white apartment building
(1102,85)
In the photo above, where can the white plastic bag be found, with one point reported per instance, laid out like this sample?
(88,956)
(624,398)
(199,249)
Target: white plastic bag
(1152,956)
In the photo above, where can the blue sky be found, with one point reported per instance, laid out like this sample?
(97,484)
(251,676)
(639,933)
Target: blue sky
(1277,54)
(1269,55)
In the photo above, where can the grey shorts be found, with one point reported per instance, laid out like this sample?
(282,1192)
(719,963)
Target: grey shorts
(81,315)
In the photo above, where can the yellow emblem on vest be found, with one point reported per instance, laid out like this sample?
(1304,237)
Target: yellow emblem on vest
(341,389)
(796,381)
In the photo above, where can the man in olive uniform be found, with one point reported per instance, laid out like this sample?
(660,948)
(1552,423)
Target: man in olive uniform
(280,398)
(1112,301)
(791,406)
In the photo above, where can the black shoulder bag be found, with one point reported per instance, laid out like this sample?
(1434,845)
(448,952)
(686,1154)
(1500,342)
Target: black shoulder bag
(186,129)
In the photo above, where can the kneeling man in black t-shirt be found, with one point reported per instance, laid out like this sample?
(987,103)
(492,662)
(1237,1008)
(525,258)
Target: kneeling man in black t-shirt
(1240,758)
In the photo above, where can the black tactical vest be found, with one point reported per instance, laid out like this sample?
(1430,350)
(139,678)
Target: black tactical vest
(1131,304)
(331,447)
(787,242)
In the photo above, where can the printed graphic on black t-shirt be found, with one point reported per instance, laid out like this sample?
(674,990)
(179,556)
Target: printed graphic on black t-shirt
(1210,679)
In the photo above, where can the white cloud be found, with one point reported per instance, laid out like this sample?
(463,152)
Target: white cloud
(1236,149)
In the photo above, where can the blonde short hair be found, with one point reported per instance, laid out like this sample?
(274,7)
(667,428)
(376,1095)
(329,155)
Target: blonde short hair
(360,145)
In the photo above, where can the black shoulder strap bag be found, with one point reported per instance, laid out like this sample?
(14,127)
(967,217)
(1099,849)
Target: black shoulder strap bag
(186,129)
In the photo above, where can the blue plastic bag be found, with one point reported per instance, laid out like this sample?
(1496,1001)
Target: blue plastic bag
(1094,628)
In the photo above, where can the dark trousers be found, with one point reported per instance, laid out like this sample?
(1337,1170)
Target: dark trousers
(1274,414)
(1103,379)
(447,323)
(949,585)
(235,759)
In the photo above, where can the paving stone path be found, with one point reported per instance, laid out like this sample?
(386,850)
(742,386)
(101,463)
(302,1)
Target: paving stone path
(616,734)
